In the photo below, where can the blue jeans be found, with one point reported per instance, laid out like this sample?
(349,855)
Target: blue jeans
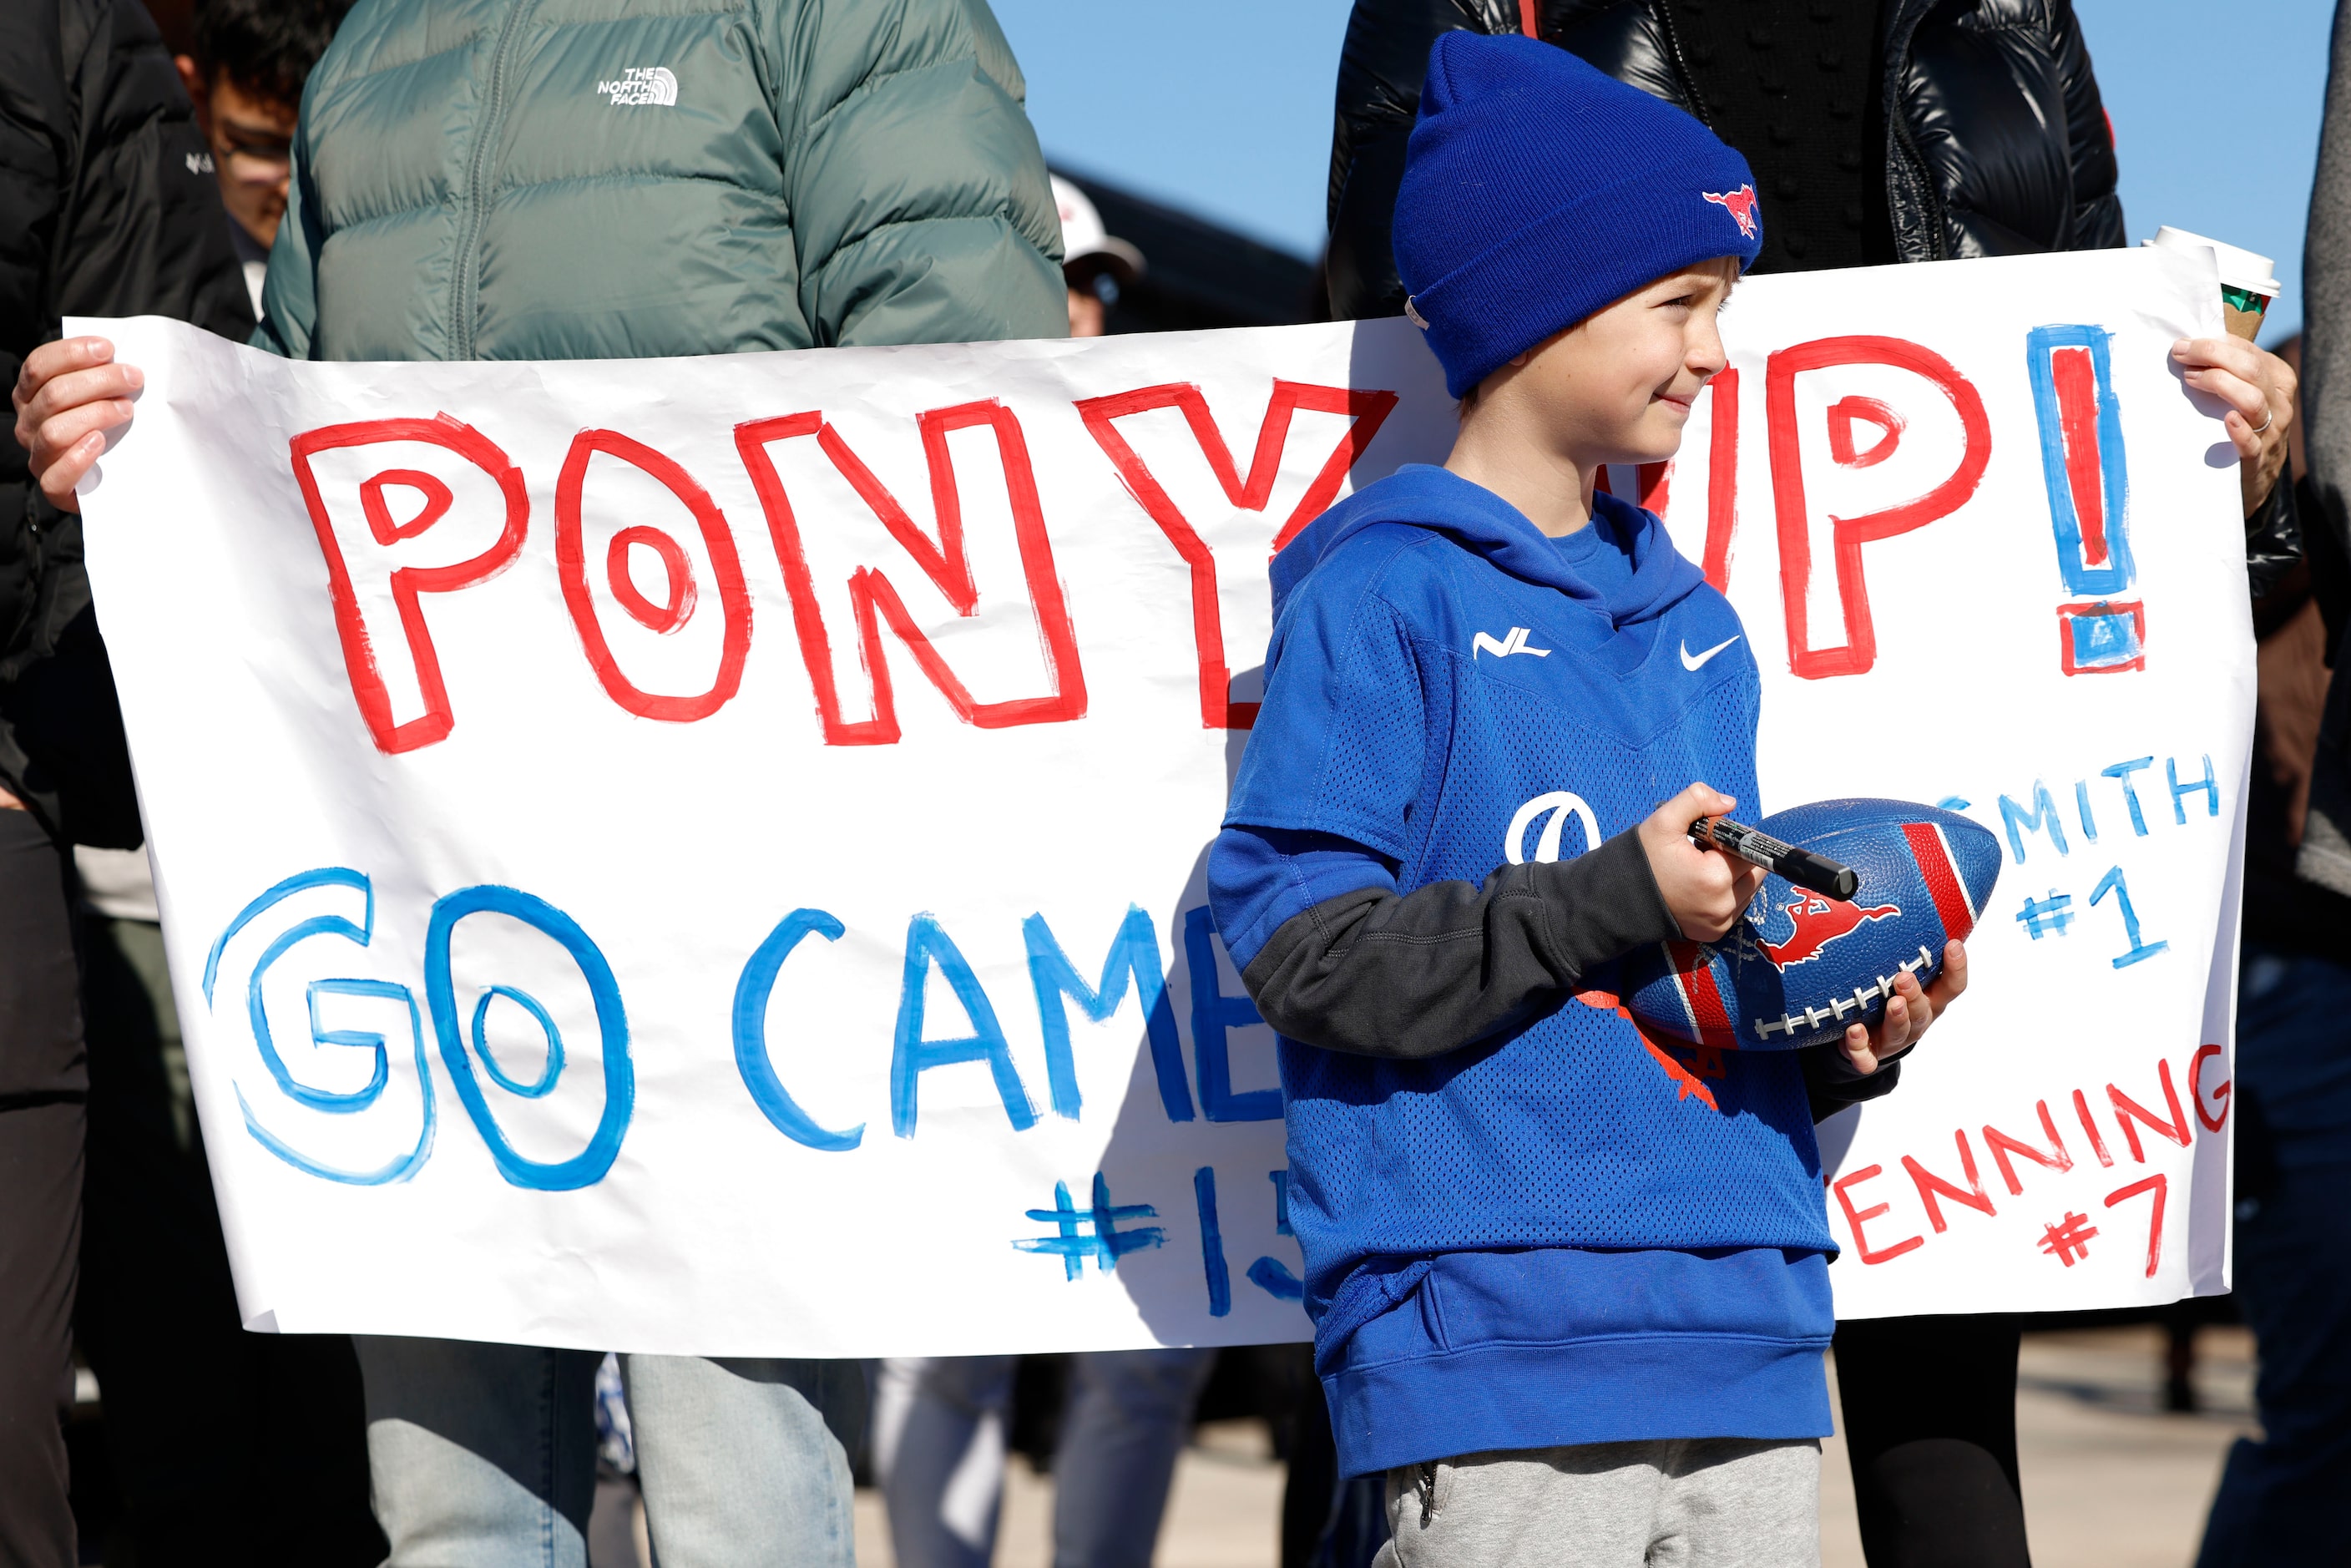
(485,1455)
(2281,1499)
(939,1429)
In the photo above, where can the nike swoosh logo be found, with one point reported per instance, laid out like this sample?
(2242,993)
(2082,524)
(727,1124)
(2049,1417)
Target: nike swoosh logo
(1698,660)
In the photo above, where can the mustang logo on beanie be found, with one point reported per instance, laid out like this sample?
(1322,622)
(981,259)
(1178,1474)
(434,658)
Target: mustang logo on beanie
(1740,203)
(1537,189)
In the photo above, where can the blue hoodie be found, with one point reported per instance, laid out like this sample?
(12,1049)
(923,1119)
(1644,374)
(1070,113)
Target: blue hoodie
(1535,1227)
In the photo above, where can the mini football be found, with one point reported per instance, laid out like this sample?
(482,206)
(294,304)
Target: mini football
(1801,968)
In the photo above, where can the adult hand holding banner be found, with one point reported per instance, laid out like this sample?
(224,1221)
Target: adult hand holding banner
(705,856)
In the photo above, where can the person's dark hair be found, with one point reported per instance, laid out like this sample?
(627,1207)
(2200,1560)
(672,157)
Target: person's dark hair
(264,46)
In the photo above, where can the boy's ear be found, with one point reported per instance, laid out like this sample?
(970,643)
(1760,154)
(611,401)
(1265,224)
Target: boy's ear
(199,91)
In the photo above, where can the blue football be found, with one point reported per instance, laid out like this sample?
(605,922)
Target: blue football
(1801,968)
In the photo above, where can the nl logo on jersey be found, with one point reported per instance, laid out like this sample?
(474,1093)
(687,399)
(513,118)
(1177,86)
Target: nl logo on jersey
(1740,203)
(1817,922)
(1502,647)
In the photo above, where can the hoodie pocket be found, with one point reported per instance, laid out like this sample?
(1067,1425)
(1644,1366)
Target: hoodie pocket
(1374,1291)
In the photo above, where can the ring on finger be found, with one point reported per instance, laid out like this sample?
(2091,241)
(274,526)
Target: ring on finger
(2266,423)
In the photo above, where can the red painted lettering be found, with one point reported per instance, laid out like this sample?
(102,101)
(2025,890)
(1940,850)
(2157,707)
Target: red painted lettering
(2218,1119)
(2155,1185)
(677,571)
(874,598)
(2128,1110)
(1721,477)
(1795,517)
(2001,1146)
(420,713)
(1844,412)
(437,500)
(1854,1220)
(2090,1127)
(1367,409)
(1657,485)
(1929,1184)
(571,571)
(1653,484)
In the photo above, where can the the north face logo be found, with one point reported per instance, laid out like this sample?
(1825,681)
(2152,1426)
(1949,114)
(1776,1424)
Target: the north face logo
(642,84)
(1740,203)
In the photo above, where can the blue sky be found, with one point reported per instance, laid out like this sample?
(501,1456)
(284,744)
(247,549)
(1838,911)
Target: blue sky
(1217,106)
(1224,108)
(2173,74)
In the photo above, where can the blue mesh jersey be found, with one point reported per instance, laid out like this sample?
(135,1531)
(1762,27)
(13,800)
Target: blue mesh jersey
(1567,1234)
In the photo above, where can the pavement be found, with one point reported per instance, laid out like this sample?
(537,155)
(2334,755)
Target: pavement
(1224,1512)
(2111,1479)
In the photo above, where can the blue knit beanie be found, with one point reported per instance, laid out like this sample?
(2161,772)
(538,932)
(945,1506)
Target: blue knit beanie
(1537,190)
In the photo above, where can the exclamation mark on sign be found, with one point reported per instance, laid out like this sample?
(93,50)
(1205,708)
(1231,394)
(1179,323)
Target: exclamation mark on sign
(2088,483)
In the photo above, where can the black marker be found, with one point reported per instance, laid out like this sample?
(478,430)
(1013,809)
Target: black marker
(1815,874)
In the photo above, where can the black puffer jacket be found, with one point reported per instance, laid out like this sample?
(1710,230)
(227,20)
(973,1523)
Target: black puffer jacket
(108,207)
(1995,140)
(1996,143)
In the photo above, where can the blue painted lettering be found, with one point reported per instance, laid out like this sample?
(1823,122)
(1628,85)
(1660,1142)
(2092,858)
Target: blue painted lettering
(1214,1013)
(588,1167)
(927,943)
(752,992)
(1133,954)
(1212,1243)
(2044,817)
(2120,772)
(2178,790)
(335,1102)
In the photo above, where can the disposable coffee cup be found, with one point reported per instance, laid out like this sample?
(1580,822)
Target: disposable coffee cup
(2246,286)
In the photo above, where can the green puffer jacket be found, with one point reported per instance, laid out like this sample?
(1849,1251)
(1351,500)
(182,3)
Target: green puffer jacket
(606,179)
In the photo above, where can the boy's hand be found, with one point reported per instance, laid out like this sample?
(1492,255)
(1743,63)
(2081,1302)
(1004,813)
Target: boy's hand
(1908,1011)
(1703,888)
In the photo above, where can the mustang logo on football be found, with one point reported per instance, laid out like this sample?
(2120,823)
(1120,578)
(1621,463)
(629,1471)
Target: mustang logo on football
(1740,203)
(1819,922)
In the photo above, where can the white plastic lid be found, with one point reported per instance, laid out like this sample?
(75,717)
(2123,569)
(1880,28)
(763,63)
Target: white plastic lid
(2240,268)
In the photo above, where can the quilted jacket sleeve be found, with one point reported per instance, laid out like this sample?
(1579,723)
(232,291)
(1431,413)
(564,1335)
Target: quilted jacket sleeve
(290,299)
(918,194)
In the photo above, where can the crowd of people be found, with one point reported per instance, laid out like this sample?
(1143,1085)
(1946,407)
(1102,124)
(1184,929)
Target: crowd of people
(432,179)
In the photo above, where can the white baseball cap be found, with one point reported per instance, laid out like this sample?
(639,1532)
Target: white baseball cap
(1085,238)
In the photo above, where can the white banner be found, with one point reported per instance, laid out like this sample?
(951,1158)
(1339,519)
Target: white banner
(706,855)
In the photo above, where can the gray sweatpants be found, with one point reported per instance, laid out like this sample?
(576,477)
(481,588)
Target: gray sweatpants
(1696,1502)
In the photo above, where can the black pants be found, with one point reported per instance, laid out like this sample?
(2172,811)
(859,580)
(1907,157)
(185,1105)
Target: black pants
(226,1445)
(43,1085)
(2280,1497)
(1931,1427)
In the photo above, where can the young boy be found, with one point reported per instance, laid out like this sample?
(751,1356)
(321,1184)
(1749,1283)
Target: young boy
(1570,1287)
(245,80)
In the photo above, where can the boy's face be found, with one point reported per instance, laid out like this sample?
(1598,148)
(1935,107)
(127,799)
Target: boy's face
(1618,386)
(252,139)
